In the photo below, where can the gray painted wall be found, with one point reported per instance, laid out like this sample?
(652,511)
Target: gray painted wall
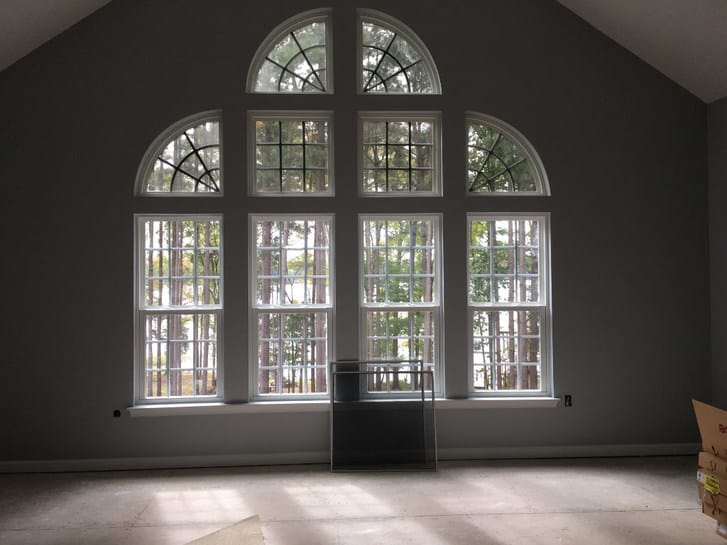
(718,246)
(624,148)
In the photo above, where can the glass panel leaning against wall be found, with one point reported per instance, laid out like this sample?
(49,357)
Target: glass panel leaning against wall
(180,303)
(292,304)
(508,304)
(400,297)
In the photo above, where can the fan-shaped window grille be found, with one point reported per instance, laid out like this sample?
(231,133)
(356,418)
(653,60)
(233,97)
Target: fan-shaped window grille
(185,158)
(500,160)
(295,58)
(393,59)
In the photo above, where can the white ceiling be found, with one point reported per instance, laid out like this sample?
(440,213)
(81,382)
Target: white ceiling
(684,39)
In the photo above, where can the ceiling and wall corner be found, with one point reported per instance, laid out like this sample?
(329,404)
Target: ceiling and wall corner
(27,24)
(683,39)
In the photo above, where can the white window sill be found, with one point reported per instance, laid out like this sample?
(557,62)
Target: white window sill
(498,403)
(197,409)
(319,406)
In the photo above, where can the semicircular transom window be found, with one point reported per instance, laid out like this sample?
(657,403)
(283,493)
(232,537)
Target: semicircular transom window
(186,159)
(294,59)
(393,59)
(500,160)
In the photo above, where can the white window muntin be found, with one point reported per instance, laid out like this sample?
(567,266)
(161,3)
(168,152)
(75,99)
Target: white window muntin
(542,307)
(531,155)
(434,118)
(434,306)
(280,32)
(157,146)
(390,23)
(283,116)
(256,310)
(196,312)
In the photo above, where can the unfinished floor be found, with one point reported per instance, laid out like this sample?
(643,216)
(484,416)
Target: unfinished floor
(642,501)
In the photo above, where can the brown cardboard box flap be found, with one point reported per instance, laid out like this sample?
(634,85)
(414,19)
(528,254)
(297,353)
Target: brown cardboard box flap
(712,424)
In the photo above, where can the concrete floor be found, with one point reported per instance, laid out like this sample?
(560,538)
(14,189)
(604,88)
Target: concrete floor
(535,502)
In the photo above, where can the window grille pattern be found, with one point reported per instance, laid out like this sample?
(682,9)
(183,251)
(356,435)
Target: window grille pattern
(393,63)
(399,287)
(504,259)
(496,163)
(399,155)
(506,350)
(297,63)
(293,307)
(507,303)
(189,162)
(180,307)
(291,156)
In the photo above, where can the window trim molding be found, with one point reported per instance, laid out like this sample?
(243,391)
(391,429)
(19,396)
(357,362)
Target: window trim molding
(288,115)
(252,368)
(394,25)
(433,116)
(139,310)
(541,177)
(436,307)
(278,33)
(162,140)
(546,336)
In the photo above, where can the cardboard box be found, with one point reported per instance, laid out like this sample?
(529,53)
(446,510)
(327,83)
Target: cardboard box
(715,512)
(713,500)
(712,424)
(712,463)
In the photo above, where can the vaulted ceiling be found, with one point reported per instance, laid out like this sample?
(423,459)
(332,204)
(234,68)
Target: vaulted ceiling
(684,39)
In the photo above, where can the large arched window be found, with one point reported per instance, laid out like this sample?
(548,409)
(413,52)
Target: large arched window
(295,58)
(393,58)
(185,158)
(500,160)
(397,254)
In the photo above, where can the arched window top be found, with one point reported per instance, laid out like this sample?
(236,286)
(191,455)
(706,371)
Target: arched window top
(295,57)
(393,58)
(185,158)
(500,160)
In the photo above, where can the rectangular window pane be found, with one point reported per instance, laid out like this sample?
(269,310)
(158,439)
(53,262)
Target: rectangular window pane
(504,261)
(508,305)
(506,349)
(292,352)
(181,263)
(292,156)
(400,318)
(292,304)
(398,155)
(180,354)
(398,258)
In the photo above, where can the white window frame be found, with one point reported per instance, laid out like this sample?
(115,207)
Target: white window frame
(162,140)
(543,306)
(297,115)
(435,307)
(531,155)
(394,25)
(255,309)
(407,116)
(278,33)
(141,311)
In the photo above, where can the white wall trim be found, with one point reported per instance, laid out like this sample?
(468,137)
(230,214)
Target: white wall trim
(569,451)
(323,457)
